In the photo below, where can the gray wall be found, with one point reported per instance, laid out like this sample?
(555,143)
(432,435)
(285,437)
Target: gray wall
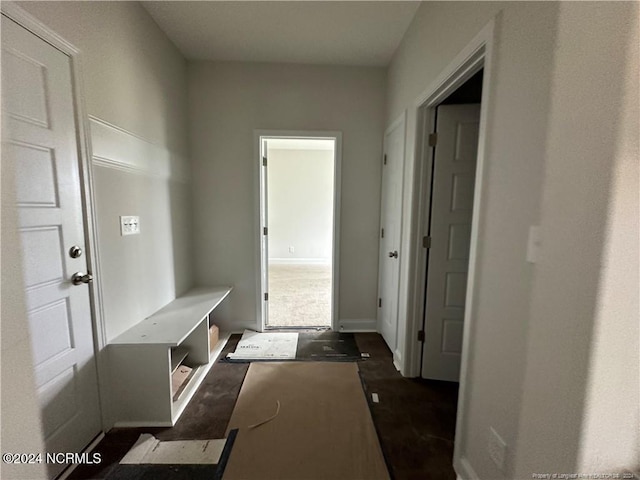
(534,368)
(135,79)
(550,341)
(228,101)
(300,205)
(582,341)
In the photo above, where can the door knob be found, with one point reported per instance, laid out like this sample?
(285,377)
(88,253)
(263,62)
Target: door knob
(79,278)
(393,254)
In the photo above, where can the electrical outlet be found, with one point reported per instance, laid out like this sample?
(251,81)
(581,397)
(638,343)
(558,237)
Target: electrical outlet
(291,249)
(497,448)
(129,225)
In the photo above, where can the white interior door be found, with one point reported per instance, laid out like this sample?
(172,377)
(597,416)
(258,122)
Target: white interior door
(453,181)
(264,239)
(390,225)
(39,136)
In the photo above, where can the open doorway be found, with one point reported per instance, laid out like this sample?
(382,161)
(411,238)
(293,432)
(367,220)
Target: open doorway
(454,151)
(475,57)
(299,198)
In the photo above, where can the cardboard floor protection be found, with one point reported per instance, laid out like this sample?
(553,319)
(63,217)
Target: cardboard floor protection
(266,346)
(150,450)
(324,346)
(321,426)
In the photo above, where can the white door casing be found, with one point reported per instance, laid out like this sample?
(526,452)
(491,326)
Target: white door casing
(450,231)
(390,233)
(40,137)
(261,138)
(264,222)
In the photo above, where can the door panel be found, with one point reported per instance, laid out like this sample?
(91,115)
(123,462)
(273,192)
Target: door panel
(450,230)
(390,224)
(40,139)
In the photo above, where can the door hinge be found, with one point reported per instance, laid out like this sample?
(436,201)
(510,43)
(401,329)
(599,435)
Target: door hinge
(421,335)
(379,303)
(382,233)
(433,139)
(384,161)
(266,297)
(264,161)
(426,242)
(265,231)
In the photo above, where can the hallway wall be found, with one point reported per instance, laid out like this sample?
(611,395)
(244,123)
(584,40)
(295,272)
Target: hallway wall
(135,86)
(521,82)
(536,349)
(228,101)
(300,205)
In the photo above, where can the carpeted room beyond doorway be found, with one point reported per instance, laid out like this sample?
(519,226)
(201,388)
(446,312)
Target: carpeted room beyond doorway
(414,420)
(299,295)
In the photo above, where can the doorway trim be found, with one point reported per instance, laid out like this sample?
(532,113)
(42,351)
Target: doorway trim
(258,136)
(83,140)
(397,351)
(478,54)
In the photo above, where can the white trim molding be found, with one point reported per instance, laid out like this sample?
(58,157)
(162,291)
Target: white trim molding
(401,323)
(475,56)
(361,325)
(478,54)
(115,147)
(300,261)
(260,215)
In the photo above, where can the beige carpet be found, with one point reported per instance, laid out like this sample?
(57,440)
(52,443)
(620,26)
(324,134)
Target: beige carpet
(299,296)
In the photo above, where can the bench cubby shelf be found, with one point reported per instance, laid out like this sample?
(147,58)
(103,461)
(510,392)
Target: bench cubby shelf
(143,358)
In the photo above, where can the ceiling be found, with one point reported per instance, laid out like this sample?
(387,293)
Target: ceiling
(325,32)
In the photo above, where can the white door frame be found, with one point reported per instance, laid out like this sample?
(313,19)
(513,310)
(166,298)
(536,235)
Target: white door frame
(258,136)
(478,54)
(83,140)
(400,121)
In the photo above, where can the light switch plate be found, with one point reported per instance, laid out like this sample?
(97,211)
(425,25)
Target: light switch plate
(129,225)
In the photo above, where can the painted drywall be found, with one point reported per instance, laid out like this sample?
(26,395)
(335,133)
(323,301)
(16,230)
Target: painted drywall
(300,203)
(135,83)
(227,102)
(533,324)
(21,423)
(134,77)
(141,273)
(580,408)
(516,131)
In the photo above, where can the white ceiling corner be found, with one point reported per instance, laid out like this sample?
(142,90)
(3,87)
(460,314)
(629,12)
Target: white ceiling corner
(359,33)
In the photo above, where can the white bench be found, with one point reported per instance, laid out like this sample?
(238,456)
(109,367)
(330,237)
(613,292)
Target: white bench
(143,359)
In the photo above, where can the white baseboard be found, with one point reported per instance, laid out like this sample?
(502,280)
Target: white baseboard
(300,261)
(358,325)
(397,360)
(464,470)
(142,424)
(66,473)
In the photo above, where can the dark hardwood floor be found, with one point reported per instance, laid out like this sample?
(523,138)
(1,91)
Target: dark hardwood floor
(415,420)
